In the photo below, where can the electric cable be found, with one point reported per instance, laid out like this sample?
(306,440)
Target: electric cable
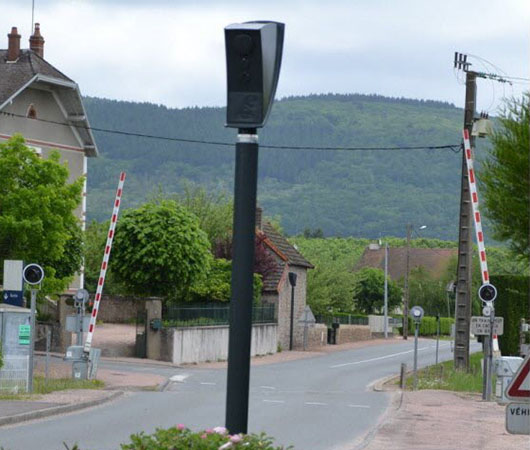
(453,147)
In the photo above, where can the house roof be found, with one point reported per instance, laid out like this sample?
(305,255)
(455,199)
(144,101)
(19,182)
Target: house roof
(434,260)
(283,248)
(32,70)
(287,255)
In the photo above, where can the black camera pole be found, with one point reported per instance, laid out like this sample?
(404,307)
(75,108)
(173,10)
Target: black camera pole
(238,376)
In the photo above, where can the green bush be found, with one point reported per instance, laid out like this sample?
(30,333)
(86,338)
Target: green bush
(428,326)
(180,437)
(512,304)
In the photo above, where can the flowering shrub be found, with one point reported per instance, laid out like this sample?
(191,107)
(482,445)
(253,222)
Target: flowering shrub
(181,437)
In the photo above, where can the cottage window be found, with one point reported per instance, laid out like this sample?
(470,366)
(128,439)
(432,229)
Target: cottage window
(32,112)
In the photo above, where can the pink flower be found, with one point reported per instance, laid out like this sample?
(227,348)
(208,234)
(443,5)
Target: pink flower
(236,438)
(181,426)
(220,430)
(208,431)
(204,436)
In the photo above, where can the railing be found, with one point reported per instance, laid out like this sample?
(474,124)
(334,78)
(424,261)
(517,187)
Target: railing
(343,319)
(205,315)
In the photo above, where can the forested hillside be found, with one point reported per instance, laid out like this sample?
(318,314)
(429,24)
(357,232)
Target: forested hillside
(345,193)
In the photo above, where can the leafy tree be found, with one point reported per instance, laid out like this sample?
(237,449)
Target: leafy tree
(264,262)
(37,220)
(330,289)
(215,287)
(369,291)
(214,211)
(159,249)
(95,240)
(505,180)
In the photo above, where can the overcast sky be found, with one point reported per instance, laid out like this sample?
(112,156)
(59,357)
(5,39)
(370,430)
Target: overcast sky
(172,51)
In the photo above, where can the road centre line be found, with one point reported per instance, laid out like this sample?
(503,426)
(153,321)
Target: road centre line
(267,387)
(359,406)
(273,401)
(379,358)
(316,403)
(208,383)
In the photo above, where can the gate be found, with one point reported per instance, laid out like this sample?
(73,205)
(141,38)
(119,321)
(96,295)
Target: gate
(141,334)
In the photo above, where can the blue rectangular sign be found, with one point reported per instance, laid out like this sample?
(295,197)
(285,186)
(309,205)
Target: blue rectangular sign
(14,298)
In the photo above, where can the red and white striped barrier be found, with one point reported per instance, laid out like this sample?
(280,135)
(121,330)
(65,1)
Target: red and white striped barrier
(476,213)
(104,265)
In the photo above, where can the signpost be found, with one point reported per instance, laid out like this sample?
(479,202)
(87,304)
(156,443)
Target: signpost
(518,414)
(417,314)
(33,275)
(308,320)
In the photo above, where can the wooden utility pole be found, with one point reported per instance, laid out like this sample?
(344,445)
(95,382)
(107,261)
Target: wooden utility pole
(465,243)
(406,296)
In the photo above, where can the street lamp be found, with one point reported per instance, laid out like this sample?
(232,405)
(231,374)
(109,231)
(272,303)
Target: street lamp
(406,299)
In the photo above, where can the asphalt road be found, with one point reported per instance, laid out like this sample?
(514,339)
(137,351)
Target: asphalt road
(313,404)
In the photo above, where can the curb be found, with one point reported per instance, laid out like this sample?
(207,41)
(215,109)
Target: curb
(378,385)
(41,413)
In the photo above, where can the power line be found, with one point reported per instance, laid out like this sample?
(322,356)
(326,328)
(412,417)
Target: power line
(454,147)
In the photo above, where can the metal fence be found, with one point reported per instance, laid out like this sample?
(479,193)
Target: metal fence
(204,315)
(345,319)
(14,374)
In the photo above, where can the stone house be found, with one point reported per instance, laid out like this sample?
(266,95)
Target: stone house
(276,286)
(45,106)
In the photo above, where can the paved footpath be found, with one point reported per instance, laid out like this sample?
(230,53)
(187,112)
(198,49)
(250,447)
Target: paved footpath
(442,420)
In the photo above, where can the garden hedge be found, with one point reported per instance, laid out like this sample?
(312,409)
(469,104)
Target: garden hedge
(513,304)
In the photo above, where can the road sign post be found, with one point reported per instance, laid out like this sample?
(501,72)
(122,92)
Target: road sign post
(417,314)
(33,275)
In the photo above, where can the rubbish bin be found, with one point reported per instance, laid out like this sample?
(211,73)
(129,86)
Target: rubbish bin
(332,333)
(505,368)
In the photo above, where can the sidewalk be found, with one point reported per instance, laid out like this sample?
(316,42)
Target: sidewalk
(116,384)
(442,420)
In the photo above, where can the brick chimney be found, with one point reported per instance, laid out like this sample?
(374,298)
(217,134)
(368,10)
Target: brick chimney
(13,48)
(36,41)
(259,214)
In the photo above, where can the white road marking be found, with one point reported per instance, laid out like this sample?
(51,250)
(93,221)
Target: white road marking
(274,401)
(316,403)
(208,383)
(358,406)
(267,387)
(378,358)
(179,378)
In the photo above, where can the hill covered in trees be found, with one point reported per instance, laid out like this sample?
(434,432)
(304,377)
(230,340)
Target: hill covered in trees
(344,193)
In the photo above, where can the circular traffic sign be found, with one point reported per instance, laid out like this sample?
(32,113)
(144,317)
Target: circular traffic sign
(487,292)
(33,274)
(81,295)
(417,313)
(486,311)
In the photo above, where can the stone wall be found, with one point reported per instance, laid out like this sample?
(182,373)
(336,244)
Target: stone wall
(353,333)
(120,309)
(200,344)
(317,337)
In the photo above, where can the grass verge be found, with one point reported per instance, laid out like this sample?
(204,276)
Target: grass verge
(444,376)
(40,386)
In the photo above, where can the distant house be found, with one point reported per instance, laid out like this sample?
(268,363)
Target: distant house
(434,260)
(276,287)
(45,106)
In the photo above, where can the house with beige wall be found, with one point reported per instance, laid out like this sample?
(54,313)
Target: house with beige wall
(45,106)
(276,285)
